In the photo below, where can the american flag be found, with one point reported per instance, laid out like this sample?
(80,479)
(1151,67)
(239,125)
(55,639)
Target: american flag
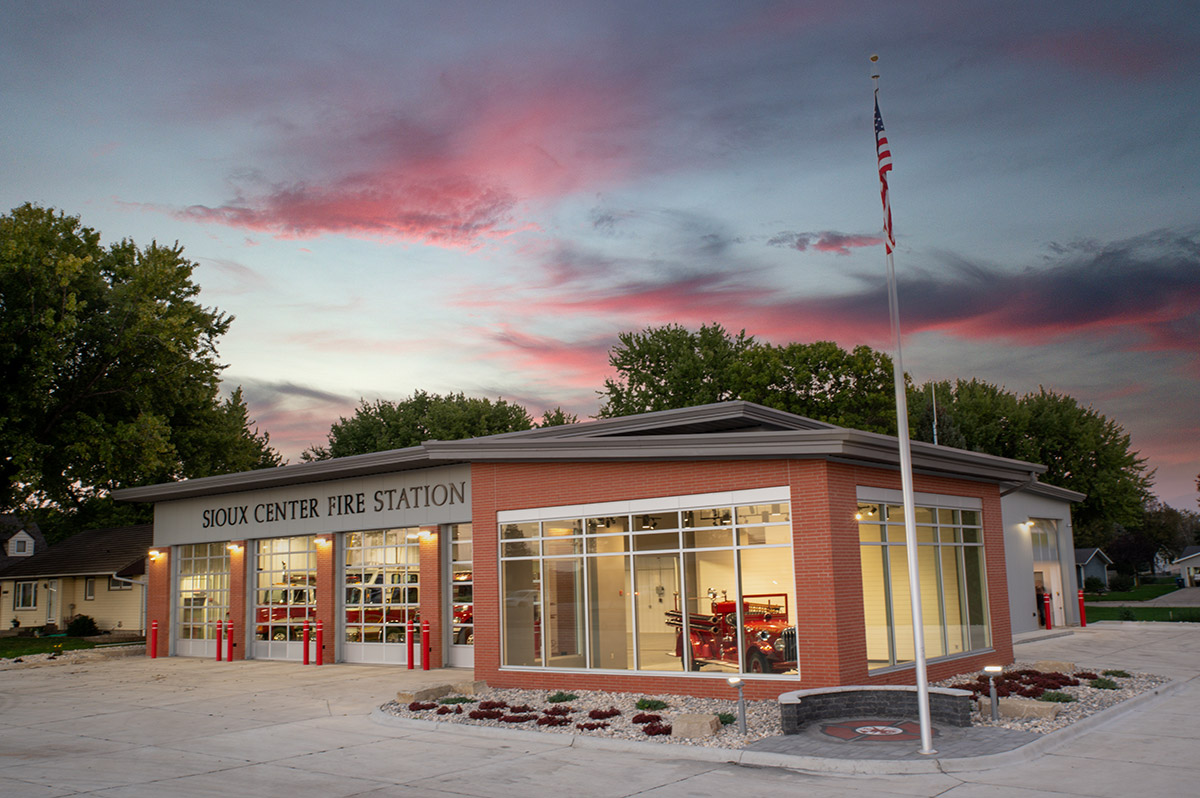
(885,166)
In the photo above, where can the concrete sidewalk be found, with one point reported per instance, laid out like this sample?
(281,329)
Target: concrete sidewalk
(186,727)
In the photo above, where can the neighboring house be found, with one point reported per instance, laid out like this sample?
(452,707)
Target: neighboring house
(1189,566)
(1092,562)
(19,540)
(94,573)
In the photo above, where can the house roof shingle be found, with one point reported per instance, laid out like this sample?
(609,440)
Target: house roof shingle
(94,552)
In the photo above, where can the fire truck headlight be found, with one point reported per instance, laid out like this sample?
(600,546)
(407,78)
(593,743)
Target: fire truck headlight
(764,635)
(778,645)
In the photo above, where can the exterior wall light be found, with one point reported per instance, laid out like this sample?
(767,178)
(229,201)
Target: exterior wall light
(425,535)
(736,681)
(234,547)
(322,540)
(992,672)
(154,555)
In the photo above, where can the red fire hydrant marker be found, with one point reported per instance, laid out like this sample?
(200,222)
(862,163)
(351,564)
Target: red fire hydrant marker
(424,645)
(153,639)
(220,625)
(306,641)
(1082,610)
(1049,620)
(408,635)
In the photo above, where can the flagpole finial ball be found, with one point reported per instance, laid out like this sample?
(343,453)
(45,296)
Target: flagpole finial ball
(874,58)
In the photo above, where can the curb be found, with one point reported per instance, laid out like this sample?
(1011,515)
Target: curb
(801,762)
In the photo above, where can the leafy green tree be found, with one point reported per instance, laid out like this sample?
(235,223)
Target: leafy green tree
(109,369)
(669,367)
(662,368)
(1170,530)
(382,425)
(558,418)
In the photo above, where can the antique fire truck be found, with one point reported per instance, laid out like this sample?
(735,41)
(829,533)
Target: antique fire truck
(766,637)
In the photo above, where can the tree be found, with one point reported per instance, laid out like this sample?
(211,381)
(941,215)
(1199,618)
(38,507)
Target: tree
(671,367)
(1081,449)
(1170,530)
(382,425)
(109,368)
(558,418)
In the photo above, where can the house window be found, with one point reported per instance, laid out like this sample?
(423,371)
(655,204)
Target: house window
(89,588)
(25,596)
(115,584)
(643,586)
(20,546)
(953,585)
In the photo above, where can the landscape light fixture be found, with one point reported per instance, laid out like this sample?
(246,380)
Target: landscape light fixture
(736,681)
(992,672)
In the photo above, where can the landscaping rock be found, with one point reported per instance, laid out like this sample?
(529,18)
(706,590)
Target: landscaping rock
(469,688)
(425,694)
(1054,666)
(695,725)
(1020,708)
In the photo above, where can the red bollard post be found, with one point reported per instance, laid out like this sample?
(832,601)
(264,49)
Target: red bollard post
(228,641)
(153,639)
(1049,619)
(305,641)
(408,635)
(424,645)
(1082,611)
(320,643)
(220,626)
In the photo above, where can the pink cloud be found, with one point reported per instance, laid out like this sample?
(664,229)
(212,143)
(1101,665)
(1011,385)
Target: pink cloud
(574,364)
(826,241)
(452,170)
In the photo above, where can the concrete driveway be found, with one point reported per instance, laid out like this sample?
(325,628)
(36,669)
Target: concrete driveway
(186,727)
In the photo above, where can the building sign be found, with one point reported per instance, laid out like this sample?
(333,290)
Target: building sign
(408,498)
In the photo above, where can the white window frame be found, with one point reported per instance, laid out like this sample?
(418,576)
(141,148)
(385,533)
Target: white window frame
(22,601)
(89,588)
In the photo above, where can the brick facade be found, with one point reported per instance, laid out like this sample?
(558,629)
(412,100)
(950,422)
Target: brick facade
(829,615)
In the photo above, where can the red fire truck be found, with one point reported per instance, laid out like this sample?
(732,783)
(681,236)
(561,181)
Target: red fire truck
(767,639)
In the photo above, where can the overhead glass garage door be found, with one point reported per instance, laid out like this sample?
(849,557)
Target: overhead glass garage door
(381,585)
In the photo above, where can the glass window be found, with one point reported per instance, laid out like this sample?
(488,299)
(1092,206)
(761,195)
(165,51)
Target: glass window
(953,591)
(286,597)
(462,585)
(381,582)
(700,589)
(89,589)
(203,597)
(25,596)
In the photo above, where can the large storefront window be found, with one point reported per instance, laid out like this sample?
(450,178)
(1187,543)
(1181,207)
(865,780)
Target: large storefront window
(285,593)
(462,590)
(953,583)
(203,596)
(382,584)
(707,589)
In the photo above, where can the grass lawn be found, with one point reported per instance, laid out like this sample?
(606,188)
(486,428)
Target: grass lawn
(1143,614)
(1139,593)
(22,646)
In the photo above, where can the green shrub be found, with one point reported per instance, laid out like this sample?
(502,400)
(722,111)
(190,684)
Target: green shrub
(1093,584)
(561,697)
(726,718)
(1127,614)
(1055,697)
(1104,684)
(82,626)
(651,704)
(1120,583)
(1118,673)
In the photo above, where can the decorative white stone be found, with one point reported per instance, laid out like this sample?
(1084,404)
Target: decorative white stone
(1054,666)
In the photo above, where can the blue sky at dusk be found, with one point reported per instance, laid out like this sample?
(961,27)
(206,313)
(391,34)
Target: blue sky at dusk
(479,197)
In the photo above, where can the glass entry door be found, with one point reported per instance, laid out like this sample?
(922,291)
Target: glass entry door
(461,597)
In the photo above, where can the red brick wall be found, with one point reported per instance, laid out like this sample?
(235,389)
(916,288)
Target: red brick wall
(430,596)
(158,600)
(237,600)
(829,615)
(326,603)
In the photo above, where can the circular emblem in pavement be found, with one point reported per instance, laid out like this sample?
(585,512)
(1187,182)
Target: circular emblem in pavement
(874,730)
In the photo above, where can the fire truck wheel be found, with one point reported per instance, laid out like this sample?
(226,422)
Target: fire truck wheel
(756,662)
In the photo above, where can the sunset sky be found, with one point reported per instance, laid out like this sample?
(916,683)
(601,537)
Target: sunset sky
(478,196)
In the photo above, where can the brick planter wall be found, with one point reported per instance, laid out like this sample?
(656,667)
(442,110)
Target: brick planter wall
(800,707)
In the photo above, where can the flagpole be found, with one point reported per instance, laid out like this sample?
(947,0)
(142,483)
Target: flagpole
(906,476)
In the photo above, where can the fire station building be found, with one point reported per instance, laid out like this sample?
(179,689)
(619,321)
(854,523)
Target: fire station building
(655,553)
